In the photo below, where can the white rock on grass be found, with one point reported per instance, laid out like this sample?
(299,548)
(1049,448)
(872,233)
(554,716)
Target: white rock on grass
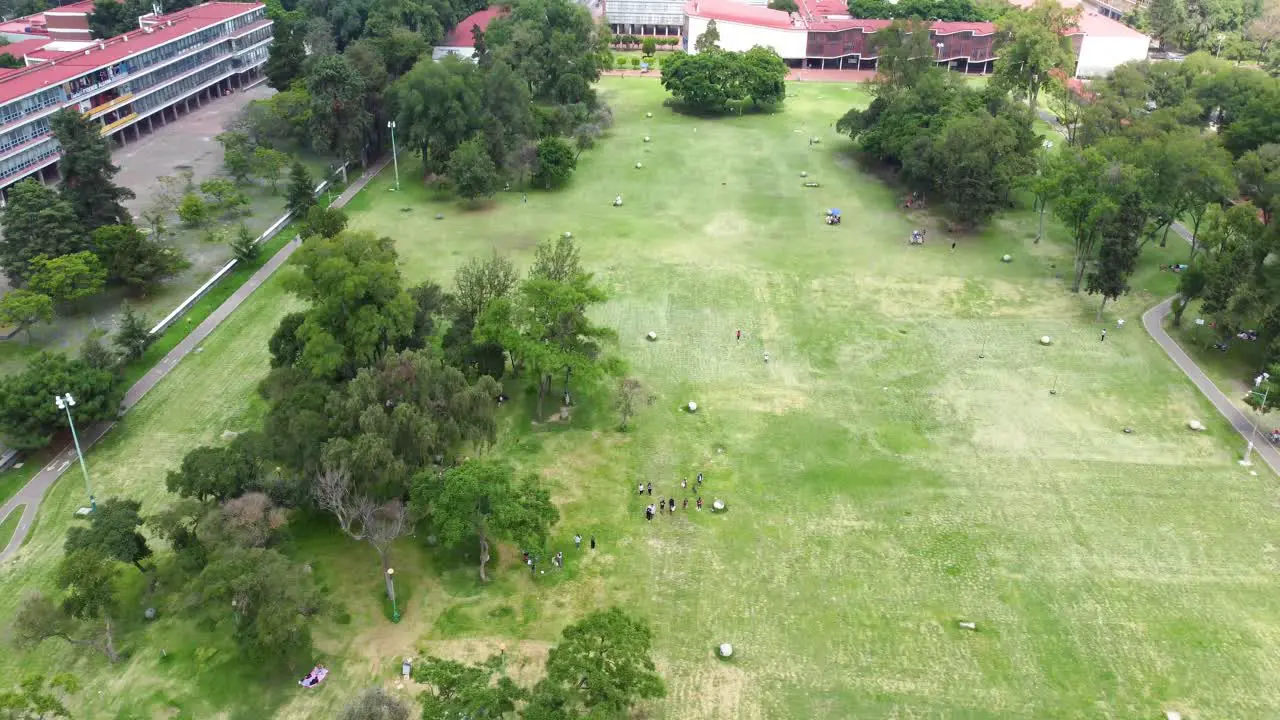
(1006,258)
(646,138)
(1046,340)
(1195,425)
(653,335)
(804,173)
(692,406)
(639,165)
(648,114)
(726,650)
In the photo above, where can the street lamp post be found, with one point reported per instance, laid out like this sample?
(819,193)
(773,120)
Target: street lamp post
(391,588)
(940,46)
(1262,407)
(395,158)
(66,402)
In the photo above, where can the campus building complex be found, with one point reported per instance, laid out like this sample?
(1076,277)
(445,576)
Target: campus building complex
(822,35)
(129,85)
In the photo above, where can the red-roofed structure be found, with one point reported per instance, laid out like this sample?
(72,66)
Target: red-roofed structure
(133,81)
(461,40)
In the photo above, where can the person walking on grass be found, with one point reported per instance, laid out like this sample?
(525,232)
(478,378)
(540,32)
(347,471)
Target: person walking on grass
(593,542)
(1103,337)
(739,336)
(685,504)
(577,541)
(640,489)
(650,488)
(671,503)
(648,513)
(699,503)
(699,479)
(684,483)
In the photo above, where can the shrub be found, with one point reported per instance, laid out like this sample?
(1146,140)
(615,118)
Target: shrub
(193,211)
(635,62)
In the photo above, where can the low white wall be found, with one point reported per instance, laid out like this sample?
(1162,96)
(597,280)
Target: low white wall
(791,44)
(462,52)
(1099,56)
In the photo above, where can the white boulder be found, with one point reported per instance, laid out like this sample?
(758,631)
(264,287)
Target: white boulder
(1196,425)
(692,406)
(1046,340)
(726,650)
(1006,258)
(639,165)
(652,335)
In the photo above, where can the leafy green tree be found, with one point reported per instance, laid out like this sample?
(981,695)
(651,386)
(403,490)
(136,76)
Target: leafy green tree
(358,308)
(1191,285)
(402,47)
(1031,45)
(301,193)
(649,46)
(237,155)
(67,278)
(267,599)
(95,353)
(374,704)
(88,173)
(1166,20)
(224,197)
(975,162)
(438,106)
(24,308)
(507,120)
(111,18)
(1117,259)
(193,210)
(244,246)
(1258,174)
(709,39)
(1082,204)
(340,121)
(38,697)
(555,45)
(133,336)
(28,416)
(215,473)
(711,82)
(479,501)
(135,260)
(364,519)
(472,171)
(464,691)
(113,533)
(556,163)
(601,667)
(88,580)
(269,164)
(37,222)
(288,56)
(38,618)
(905,54)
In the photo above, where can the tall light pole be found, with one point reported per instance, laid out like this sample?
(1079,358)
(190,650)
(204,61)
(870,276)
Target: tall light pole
(1262,408)
(940,46)
(395,158)
(391,585)
(66,402)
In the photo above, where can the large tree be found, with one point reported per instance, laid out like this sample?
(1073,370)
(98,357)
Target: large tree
(302,192)
(904,54)
(24,309)
(1258,174)
(113,533)
(480,501)
(556,163)
(136,261)
(340,120)
(28,416)
(472,171)
(1109,277)
(67,278)
(216,473)
(37,222)
(364,519)
(601,667)
(1031,46)
(507,120)
(88,580)
(555,45)
(466,691)
(267,600)
(438,107)
(288,54)
(374,704)
(1083,203)
(1166,20)
(88,175)
(358,308)
(713,82)
(39,618)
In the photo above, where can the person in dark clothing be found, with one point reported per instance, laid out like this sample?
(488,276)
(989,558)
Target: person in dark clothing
(699,479)
(672,504)
(650,488)
(593,542)
(685,504)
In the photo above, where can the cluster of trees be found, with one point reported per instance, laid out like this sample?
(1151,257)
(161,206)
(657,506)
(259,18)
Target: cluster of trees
(63,246)
(953,10)
(647,44)
(515,114)
(715,80)
(601,668)
(967,148)
(1235,29)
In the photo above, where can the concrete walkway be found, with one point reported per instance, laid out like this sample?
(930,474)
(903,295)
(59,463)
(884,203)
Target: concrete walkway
(30,495)
(1153,321)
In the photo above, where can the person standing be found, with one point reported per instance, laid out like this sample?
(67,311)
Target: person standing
(739,336)
(671,503)
(685,504)
(699,503)
(650,488)
(684,483)
(640,489)
(593,542)
(1103,337)
(953,246)
(577,541)
(699,479)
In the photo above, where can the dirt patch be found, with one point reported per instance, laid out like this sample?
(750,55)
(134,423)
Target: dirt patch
(525,658)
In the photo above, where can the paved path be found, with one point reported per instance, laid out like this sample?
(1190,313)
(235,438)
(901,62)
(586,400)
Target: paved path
(30,495)
(1153,321)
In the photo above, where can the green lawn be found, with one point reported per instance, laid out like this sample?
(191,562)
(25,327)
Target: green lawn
(883,482)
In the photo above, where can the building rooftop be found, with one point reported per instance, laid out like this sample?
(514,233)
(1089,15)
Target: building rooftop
(1093,24)
(64,66)
(21,48)
(79,8)
(461,34)
(816,16)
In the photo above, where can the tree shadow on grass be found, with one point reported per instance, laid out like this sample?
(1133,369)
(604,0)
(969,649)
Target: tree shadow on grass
(731,110)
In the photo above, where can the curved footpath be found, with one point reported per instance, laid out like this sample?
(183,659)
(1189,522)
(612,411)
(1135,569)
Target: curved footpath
(30,495)
(1153,321)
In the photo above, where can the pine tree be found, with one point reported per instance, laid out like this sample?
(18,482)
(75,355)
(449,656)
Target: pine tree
(87,173)
(244,246)
(134,336)
(301,190)
(37,222)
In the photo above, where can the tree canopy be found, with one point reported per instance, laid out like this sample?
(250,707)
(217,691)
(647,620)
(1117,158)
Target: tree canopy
(28,416)
(718,81)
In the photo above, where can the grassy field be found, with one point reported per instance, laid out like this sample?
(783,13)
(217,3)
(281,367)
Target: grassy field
(883,481)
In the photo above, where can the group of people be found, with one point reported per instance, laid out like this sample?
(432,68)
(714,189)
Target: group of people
(669,504)
(917,237)
(315,677)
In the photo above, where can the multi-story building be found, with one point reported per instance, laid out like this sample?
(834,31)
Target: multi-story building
(129,84)
(646,17)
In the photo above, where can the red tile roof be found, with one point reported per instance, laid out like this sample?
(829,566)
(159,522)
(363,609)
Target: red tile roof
(1093,24)
(460,35)
(729,11)
(21,48)
(67,66)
